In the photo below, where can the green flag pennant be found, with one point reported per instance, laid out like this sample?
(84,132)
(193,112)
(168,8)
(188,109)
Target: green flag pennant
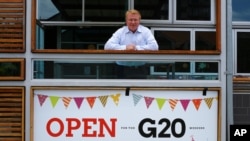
(160,102)
(54,100)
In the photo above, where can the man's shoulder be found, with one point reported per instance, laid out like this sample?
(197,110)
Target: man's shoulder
(143,28)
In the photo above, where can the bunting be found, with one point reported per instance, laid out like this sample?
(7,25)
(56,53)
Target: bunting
(116,99)
(148,101)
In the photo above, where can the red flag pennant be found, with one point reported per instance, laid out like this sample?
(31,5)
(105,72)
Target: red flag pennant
(197,103)
(41,98)
(148,101)
(91,101)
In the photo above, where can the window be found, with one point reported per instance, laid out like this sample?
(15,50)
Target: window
(240,10)
(185,39)
(242,51)
(79,69)
(78,24)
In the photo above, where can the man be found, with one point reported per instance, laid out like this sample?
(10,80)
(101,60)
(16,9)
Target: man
(132,36)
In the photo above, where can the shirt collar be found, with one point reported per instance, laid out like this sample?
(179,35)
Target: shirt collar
(137,31)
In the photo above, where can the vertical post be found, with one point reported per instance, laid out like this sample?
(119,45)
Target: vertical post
(229,64)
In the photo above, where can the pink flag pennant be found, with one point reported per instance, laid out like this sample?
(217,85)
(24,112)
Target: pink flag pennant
(41,98)
(78,101)
(184,103)
(148,101)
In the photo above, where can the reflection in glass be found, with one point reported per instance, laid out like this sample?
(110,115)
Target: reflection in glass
(243,59)
(153,9)
(10,69)
(173,40)
(105,10)
(241,10)
(55,37)
(199,10)
(72,10)
(205,40)
(75,69)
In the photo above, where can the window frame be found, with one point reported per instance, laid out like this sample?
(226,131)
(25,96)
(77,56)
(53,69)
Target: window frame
(149,23)
(22,69)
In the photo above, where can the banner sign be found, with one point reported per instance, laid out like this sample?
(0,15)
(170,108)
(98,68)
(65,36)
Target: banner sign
(119,115)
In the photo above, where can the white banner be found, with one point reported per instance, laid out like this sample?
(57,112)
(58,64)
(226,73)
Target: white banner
(111,115)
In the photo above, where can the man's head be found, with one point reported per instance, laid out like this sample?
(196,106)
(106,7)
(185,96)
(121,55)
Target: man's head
(133,18)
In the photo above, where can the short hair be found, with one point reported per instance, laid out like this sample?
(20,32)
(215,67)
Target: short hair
(132,11)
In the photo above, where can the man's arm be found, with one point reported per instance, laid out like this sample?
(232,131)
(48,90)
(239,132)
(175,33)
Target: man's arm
(114,42)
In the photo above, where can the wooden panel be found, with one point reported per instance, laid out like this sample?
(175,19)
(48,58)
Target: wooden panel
(12,25)
(11,114)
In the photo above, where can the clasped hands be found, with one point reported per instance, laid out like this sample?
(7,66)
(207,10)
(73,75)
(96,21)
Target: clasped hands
(131,47)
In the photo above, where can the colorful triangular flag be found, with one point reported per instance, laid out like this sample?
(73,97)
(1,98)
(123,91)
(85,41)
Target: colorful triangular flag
(41,98)
(184,103)
(209,102)
(66,101)
(136,98)
(91,101)
(173,103)
(148,101)
(103,100)
(197,103)
(78,101)
(54,100)
(116,98)
(160,102)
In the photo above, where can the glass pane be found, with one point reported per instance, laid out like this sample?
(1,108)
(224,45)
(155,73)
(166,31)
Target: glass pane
(153,9)
(240,10)
(72,10)
(173,40)
(206,67)
(199,10)
(55,37)
(205,40)
(105,10)
(74,69)
(10,69)
(243,49)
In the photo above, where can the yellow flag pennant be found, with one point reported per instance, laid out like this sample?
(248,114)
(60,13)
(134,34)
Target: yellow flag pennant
(116,98)
(209,102)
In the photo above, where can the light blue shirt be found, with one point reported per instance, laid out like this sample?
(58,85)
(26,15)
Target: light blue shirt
(142,38)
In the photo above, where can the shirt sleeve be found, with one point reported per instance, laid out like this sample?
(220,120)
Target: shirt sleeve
(151,43)
(114,42)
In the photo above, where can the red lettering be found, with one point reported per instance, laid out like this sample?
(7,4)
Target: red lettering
(87,127)
(61,127)
(104,124)
(71,127)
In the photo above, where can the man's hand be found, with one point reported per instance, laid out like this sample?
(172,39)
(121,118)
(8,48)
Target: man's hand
(130,47)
